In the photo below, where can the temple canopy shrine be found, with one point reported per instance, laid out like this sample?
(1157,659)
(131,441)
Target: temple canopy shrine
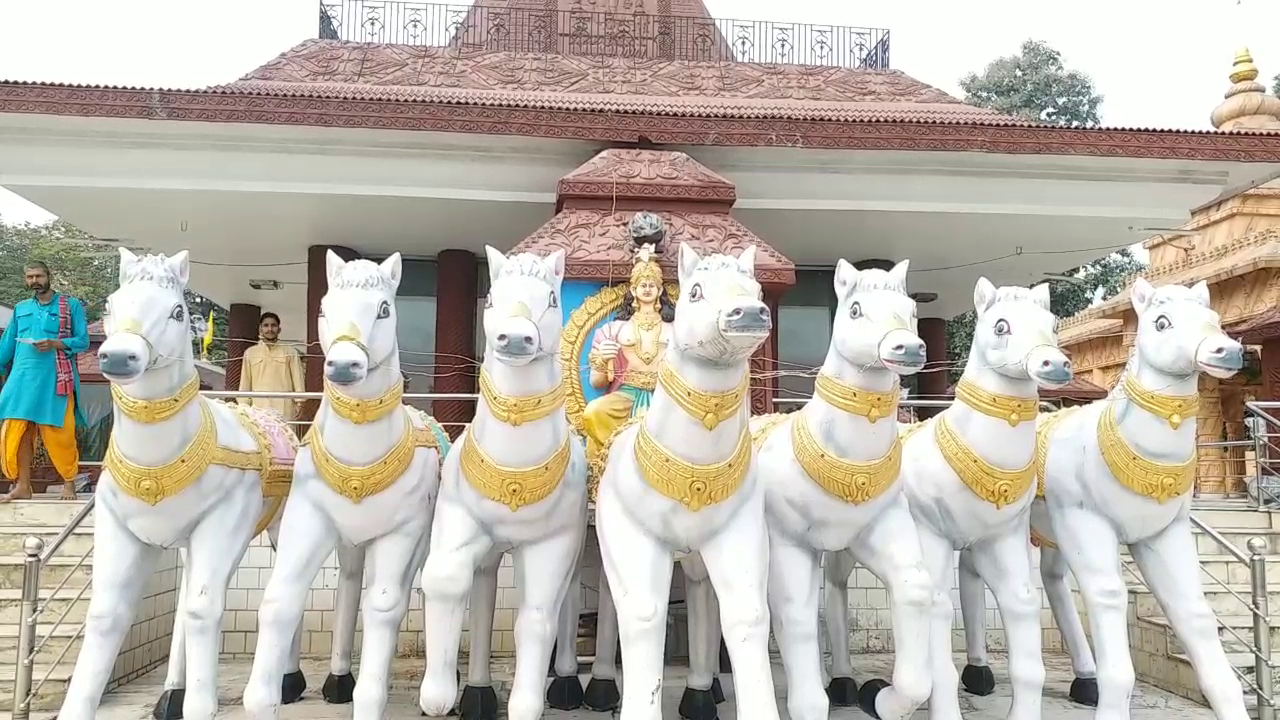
(434,130)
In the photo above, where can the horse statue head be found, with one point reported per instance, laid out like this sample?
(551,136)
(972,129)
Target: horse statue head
(1015,336)
(523,317)
(1179,334)
(720,316)
(357,322)
(875,323)
(146,318)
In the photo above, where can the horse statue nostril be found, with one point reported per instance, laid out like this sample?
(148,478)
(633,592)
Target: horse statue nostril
(502,337)
(900,348)
(528,339)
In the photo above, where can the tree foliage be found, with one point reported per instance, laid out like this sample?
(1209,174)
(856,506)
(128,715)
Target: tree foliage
(1275,85)
(1035,85)
(85,269)
(1100,279)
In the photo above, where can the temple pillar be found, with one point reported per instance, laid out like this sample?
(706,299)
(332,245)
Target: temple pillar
(317,286)
(1210,470)
(456,292)
(1234,461)
(1271,369)
(764,381)
(931,384)
(242,333)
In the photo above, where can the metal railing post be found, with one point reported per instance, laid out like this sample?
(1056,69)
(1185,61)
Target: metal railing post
(1261,629)
(32,547)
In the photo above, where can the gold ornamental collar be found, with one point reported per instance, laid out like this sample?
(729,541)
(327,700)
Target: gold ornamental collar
(997,486)
(513,487)
(853,482)
(694,486)
(1044,433)
(1013,410)
(357,482)
(152,484)
(154,411)
(712,408)
(360,411)
(516,411)
(1173,408)
(1159,481)
(843,396)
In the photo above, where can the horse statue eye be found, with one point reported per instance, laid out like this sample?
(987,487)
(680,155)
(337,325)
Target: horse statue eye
(1163,323)
(855,310)
(178,314)
(553,302)
(695,292)
(1002,327)
(384,310)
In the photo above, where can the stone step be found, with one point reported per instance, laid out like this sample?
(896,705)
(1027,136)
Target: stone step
(65,601)
(1231,571)
(1237,536)
(12,538)
(41,513)
(1230,626)
(1220,600)
(58,568)
(55,641)
(50,694)
(1244,517)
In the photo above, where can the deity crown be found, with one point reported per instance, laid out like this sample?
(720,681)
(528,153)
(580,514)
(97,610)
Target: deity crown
(646,268)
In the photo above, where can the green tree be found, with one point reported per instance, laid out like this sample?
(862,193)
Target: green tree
(86,269)
(1275,85)
(1035,85)
(1101,279)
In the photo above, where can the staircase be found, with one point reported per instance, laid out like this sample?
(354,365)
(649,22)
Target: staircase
(1159,658)
(63,594)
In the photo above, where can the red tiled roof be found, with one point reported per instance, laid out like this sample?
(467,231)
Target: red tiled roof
(334,69)
(1078,389)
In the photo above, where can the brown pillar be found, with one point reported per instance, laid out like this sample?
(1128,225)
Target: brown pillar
(456,293)
(317,286)
(764,382)
(1270,369)
(932,382)
(242,332)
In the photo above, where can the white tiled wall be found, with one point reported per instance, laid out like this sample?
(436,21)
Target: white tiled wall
(869,622)
(147,644)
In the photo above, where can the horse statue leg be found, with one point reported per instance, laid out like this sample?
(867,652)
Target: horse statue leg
(837,567)
(1053,577)
(390,586)
(793,606)
(565,691)
(976,677)
(546,568)
(340,684)
(714,646)
(698,702)
(1004,563)
(479,700)
(602,693)
(169,706)
(294,682)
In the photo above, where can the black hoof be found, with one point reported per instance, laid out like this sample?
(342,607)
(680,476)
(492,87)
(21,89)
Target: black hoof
(978,680)
(843,692)
(601,695)
(478,703)
(169,706)
(1084,691)
(565,693)
(698,705)
(717,692)
(292,687)
(867,696)
(337,689)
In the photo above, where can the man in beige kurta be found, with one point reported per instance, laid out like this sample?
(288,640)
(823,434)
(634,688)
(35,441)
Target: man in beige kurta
(271,366)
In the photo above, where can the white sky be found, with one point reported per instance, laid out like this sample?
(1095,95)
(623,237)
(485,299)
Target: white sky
(1158,63)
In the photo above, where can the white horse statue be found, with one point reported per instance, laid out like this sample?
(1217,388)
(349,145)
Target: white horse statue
(515,481)
(1121,470)
(830,473)
(969,480)
(180,471)
(681,480)
(366,477)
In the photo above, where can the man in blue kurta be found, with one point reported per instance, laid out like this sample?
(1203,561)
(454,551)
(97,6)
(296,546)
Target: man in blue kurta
(38,354)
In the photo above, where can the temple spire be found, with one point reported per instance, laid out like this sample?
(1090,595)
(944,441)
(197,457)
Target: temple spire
(1247,105)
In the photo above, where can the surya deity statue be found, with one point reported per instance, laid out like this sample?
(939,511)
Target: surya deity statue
(625,352)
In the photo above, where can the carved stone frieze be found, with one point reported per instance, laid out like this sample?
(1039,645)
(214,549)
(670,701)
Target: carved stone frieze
(646,176)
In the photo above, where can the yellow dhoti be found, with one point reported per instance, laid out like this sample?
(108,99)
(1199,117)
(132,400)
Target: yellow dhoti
(604,415)
(59,443)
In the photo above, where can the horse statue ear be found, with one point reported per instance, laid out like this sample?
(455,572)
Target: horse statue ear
(495,260)
(1040,294)
(984,295)
(846,278)
(1201,291)
(747,260)
(899,274)
(333,264)
(555,263)
(392,267)
(180,266)
(689,260)
(127,261)
(1141,295)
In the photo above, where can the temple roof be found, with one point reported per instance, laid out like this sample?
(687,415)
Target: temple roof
(596,202)
(1078,390)
(333,69)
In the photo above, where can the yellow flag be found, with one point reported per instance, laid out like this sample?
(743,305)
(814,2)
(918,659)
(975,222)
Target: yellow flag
(207,340)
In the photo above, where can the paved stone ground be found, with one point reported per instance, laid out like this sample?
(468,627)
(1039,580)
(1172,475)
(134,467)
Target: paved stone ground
(134,701)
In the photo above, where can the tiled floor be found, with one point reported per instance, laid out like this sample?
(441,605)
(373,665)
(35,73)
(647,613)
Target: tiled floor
(134,701)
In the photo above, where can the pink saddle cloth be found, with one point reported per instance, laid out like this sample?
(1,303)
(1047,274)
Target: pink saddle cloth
(281,441)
